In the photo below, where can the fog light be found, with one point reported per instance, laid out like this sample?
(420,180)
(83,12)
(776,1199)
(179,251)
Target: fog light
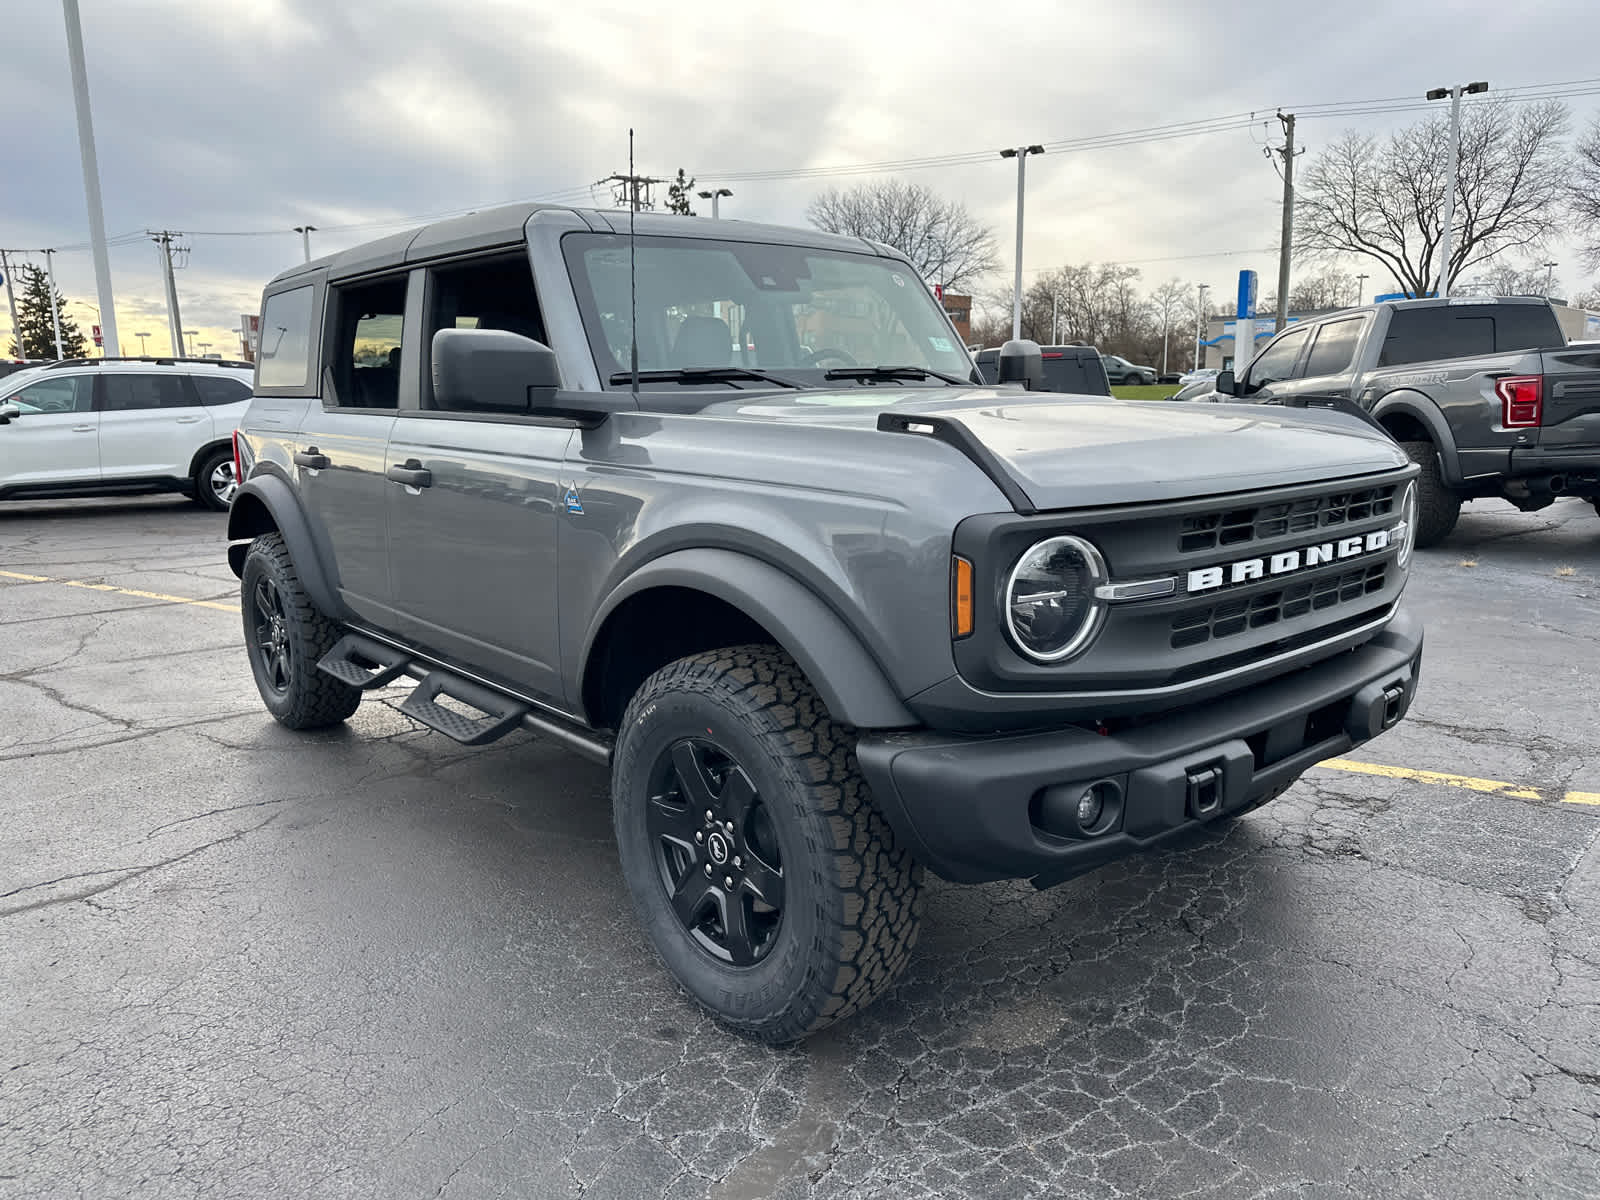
(1090,806)
(1076,810)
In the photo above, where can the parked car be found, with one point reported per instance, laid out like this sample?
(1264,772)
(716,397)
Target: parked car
(1200,389)
(99,426)
(1120,370)
(1196,376)
(1484,394)
(831,612)
(1076,369)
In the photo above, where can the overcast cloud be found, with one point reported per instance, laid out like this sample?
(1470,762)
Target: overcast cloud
(267,114)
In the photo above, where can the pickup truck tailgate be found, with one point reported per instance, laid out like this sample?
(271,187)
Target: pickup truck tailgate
(1571,400)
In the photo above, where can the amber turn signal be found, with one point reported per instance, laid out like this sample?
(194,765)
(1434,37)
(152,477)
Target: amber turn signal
(960,597)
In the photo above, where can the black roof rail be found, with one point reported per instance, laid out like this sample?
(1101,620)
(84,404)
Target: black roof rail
(164,360)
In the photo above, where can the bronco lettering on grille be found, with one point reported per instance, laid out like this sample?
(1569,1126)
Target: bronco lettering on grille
(1286,562)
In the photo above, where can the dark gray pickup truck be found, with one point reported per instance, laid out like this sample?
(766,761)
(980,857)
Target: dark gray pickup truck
(832,610)
(1484,395)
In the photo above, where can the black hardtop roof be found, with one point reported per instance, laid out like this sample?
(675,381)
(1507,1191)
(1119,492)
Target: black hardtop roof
(503,226)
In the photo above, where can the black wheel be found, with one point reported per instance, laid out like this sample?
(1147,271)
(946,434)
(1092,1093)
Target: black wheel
(768,883)
(214,480)
(1438,507)
(286,635)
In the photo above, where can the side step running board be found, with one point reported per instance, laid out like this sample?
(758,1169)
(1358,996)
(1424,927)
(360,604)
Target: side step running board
(364,662)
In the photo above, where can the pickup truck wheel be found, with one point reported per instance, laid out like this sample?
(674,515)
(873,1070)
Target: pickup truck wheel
(286,635)
(768,883)
(1438,508)
(214,482)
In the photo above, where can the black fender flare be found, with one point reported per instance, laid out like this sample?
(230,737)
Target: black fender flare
(266,502)
(1425,411)
(839,666)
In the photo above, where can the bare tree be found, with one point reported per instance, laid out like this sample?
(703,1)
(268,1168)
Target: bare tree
(1328,288)
(1589,300)
(1508,279)
(1583,192)
(947,244)
(1385,200)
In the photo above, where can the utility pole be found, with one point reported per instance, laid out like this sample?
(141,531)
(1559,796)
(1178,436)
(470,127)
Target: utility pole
(1020,153)
(305,232)
(91,170)
(1361,288)
(1455,94)
(55,311)
(174,321)
(1287,152)
(1199,321)
(633,191)
(1549,278)
(11,299)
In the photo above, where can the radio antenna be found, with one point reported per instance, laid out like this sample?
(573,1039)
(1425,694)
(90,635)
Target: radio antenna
(633,278)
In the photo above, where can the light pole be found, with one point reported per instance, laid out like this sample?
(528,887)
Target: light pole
(1455,94)
(1549,278)
(1199,321)
(141,337)
(1020,153)
(305,232)
(1361,286)
(204,346)
(714,197)
(91,169)
(191,334)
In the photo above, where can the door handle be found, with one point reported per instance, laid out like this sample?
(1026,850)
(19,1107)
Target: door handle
(83,429)
(187,420)
(412,474)
(310,457)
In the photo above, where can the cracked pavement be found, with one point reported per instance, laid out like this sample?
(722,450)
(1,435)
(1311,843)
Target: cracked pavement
(240,962)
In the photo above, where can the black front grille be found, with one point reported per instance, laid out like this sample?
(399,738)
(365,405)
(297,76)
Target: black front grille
(1231,617)
(1309,515)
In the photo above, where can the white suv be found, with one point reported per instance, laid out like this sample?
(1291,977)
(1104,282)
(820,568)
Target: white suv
(122,425)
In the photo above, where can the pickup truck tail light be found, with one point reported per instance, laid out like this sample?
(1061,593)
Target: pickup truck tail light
(1521,401)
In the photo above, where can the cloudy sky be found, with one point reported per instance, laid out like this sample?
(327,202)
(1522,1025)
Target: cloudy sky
(249,118)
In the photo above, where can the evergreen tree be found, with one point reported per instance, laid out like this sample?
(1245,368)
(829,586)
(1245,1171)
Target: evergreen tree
(33,315)
(678,195)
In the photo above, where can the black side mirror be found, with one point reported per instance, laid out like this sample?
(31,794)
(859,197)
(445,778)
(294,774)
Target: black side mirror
(1021,361)
(491,371)
(8,413)
(1225,383)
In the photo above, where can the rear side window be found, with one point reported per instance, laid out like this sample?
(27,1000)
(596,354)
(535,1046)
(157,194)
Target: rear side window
(1080,374)
(1425,334)
(125,393)
(217,389)
(286,340)
(366,351)
(1335,348)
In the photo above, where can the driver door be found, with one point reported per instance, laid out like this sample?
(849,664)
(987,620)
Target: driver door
(1274,366)
(57,445)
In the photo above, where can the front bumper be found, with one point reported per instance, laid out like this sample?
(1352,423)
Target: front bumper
(970,808)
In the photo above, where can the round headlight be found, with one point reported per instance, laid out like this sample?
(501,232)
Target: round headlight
(1408,523)
(1051,610)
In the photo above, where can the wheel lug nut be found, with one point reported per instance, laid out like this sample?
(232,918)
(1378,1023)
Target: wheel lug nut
(708,869)
(727,881)
(699,835)
(737,861)
(711,817)
(728,825)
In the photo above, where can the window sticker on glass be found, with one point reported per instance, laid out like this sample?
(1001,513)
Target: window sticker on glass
(941,344)
(899,279)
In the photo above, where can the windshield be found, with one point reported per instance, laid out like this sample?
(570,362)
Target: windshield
(795,311)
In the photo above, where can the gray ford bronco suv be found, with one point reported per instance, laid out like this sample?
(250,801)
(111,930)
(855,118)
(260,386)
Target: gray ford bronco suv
(832,610)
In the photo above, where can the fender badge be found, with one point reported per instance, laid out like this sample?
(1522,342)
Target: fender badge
(574,504)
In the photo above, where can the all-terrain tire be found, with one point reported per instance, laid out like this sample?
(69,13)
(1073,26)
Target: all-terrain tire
(286,635)
(851,897)
(1438,506)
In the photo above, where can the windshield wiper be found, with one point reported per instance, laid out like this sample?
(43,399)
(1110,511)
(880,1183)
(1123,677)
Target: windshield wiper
(703,375)
(875,373)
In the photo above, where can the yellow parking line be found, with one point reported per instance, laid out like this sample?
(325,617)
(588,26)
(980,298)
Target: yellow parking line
(120,591)
(1444,779)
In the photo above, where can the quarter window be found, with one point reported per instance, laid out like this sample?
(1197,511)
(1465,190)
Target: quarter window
(217,389)
(286,340)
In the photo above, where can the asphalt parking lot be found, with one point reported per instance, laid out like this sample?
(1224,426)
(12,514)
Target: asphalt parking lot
(240,962)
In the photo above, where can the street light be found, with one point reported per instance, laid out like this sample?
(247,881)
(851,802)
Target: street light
(191,334)
(714,197)
(1549,278)
(1455,94)
(141,337)
(1361,286)
(1020,153)
(305,232)
(1199,321)
(204,346)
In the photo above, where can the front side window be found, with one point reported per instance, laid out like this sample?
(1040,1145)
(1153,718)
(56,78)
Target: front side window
(494,294)
(1277,360)
(285,354)
(790,309)
(71,394)
(126,393)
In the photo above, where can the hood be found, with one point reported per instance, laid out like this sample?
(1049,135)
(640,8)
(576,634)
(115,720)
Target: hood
(1072,452)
